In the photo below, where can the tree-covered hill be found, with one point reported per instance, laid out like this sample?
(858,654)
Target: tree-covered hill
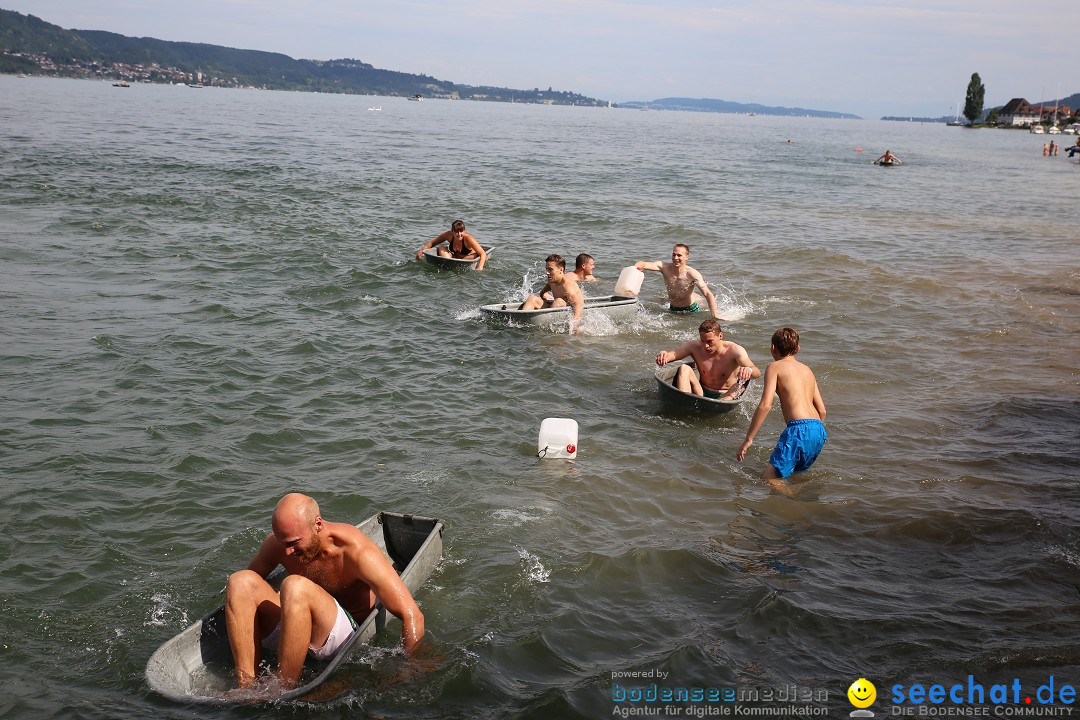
(727,106)
(31,45)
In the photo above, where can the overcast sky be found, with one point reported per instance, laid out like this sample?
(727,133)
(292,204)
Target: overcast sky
(868,57)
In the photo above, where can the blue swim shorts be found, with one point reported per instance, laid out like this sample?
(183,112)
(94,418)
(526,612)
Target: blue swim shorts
(798,446)
(691,308)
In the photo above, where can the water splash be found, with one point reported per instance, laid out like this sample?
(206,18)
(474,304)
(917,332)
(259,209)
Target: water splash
(534,569)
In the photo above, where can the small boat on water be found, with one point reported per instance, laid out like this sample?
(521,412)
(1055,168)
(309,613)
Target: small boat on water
(614,306)
(417,98)
(676,398)
(432,256)
(196,666)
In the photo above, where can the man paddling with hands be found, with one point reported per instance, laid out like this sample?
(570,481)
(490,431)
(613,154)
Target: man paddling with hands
(459,245)
(336,573)
(681,280)
(721,363)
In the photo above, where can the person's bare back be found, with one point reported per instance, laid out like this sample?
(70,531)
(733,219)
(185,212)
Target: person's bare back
(797,389)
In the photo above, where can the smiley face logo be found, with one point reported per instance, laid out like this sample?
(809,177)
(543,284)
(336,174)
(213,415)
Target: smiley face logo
(862,693)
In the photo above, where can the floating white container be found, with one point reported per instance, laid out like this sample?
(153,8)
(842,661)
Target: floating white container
(558,438)
(629,282)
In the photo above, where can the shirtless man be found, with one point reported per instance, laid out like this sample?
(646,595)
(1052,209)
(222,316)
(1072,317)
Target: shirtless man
(459,244)
(334,571)
(722,364)
(561,290)
(888,157)
(681,280)
(803,408)
(583,267)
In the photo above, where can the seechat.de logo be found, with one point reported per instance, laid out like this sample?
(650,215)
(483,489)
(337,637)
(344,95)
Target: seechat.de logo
(862,695)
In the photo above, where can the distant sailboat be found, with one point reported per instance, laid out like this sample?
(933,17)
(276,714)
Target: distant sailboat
(956,122)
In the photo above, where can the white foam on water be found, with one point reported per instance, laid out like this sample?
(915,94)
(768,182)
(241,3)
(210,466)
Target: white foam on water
(534,569)
(516,516)
(161,609)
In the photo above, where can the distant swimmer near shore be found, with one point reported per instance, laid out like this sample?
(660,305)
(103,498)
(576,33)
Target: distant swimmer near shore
(459,244)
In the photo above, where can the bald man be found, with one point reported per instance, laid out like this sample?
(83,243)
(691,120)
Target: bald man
(336,573)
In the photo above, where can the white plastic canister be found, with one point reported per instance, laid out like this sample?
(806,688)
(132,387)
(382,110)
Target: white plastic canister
(558,438)
(629,282)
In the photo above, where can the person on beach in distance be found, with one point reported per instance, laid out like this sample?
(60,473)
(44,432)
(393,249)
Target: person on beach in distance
(583,267)
(459,244)
(561,290)
(336,573)
(681,279)
(803,409)
(721,363)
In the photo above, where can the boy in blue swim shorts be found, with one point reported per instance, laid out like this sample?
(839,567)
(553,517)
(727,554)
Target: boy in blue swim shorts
(803,408)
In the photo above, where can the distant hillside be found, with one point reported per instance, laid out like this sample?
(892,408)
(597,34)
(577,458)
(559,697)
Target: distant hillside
(726,106)
(1073,101)
(911,118)
(31,45)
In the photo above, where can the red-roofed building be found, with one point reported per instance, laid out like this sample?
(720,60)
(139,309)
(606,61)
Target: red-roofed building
(1018,112)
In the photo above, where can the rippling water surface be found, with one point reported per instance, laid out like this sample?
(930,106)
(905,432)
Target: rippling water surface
(209,299)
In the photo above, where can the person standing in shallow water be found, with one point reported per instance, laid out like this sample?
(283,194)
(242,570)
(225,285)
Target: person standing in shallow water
(681,280)
(803,408)
(336,573)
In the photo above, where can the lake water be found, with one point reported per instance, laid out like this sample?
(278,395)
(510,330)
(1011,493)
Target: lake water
(209,299)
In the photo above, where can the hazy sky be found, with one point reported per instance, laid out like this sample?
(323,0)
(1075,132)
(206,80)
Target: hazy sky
(869,57)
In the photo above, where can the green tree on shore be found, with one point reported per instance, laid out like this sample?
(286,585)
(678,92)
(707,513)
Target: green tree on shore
(973,104)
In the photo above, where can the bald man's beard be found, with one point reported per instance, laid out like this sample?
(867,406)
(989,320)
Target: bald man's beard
(311,552)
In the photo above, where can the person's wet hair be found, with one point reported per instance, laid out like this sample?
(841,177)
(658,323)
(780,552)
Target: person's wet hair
(712,325)
(786,341)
